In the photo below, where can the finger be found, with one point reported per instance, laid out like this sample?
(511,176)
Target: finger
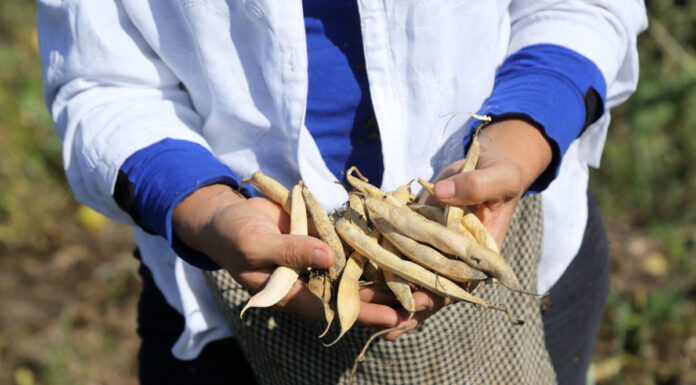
(378,317)
(254,280)
(427,304)
(453,169)
(495,183)
(428,301)
(301,301)
(287,250)
(497,218)
(406,321)
(471,285)
(374,295)
(298,299)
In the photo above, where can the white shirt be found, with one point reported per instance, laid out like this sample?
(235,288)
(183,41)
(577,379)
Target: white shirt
(121,75)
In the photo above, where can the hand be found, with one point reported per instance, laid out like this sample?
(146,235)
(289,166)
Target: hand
(513,155)
(248,237)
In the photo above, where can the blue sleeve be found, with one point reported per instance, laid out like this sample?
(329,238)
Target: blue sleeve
(155,179)
(552,87)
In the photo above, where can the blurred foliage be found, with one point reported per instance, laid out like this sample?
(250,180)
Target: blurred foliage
(647,183)
(68,284)
(646,186)
(647,176)
(33,192)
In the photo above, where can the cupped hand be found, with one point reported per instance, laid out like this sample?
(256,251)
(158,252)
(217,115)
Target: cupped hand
(513,155)
(249,238)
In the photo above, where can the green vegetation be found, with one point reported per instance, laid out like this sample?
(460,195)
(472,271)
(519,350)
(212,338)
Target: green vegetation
(72,285)
(34,194)
(647,190)
(68,285)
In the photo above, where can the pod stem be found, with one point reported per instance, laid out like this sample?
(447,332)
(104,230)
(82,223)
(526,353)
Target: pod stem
(506,310)
(361,356)
(542,295)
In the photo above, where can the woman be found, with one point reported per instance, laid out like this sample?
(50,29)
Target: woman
(163,106)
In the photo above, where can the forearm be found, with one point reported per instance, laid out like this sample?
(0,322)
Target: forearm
(557,90)
(155,179)
(604,32)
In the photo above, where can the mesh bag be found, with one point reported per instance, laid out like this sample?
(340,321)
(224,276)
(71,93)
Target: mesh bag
(459,344)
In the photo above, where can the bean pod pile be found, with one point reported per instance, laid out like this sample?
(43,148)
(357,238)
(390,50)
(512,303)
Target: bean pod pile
(386,237)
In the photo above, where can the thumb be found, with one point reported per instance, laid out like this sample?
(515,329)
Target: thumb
(296,251)
(495,183)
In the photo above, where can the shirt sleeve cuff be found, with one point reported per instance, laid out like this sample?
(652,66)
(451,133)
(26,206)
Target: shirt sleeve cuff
(155,179)
(556,89)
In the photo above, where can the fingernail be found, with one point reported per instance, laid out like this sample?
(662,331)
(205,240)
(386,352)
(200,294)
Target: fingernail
(395,321)
(444,189)
(319,257)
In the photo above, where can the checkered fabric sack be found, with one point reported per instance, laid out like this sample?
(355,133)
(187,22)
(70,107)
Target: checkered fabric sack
(459,344)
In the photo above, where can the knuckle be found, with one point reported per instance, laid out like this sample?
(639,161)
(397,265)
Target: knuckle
(247,251)
(471,186)
(246,244)
(291,254)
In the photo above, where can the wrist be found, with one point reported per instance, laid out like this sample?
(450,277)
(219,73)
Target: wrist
(522,143)
(192,215)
